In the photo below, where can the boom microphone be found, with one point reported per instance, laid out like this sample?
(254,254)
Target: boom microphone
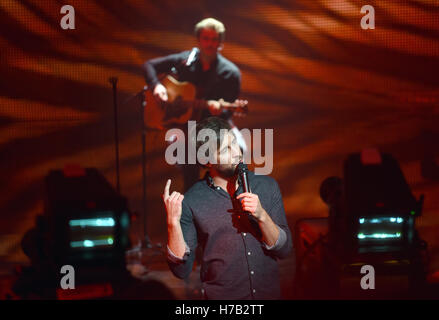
(192,56)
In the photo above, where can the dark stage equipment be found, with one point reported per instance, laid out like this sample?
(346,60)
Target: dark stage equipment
(85,225)
(371,221)
(88,220)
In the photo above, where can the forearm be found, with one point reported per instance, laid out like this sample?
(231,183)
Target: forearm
(176,241)
(153,68)
(269,230)
(150,74)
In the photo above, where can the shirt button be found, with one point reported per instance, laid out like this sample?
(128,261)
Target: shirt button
(252,272)
(249,253)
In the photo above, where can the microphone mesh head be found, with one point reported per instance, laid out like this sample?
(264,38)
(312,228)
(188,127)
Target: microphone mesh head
(241,167)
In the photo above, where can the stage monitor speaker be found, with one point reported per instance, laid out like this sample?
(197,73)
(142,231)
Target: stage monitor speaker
(87,219)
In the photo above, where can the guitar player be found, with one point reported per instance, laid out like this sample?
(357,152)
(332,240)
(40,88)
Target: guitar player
(214,77)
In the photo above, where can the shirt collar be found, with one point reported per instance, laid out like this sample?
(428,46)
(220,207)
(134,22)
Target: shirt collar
(209,180)
(211,183)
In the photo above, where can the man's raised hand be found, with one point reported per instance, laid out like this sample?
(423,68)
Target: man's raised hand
(173,204)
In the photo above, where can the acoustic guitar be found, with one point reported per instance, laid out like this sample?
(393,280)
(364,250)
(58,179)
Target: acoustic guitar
(180,105)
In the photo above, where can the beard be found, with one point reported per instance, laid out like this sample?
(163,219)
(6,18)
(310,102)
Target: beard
(227,171)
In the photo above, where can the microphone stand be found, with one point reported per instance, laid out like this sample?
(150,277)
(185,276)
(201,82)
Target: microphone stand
(146,242)
(113,81)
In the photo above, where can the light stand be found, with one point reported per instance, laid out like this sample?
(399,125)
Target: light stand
(113,81)
(146,241)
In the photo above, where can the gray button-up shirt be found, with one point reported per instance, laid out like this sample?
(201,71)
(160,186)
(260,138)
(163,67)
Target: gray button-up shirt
(236,264)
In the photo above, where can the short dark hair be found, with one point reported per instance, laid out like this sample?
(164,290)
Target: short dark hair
(211,23)
(214,123)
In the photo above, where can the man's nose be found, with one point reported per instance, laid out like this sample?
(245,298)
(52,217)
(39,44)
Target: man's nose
(236,151)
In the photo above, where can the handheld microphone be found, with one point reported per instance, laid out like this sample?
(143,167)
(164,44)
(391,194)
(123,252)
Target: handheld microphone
(243,174)
(192,56)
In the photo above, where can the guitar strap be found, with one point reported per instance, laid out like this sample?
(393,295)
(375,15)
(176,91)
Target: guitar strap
(208,90)
(211,82)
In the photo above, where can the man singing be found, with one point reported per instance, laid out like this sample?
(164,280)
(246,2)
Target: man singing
(241,234)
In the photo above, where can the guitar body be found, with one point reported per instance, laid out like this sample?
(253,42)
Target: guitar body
(179,108)
(173,112)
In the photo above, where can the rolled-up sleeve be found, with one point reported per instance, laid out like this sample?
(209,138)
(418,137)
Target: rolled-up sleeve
(172,257)
(283,246)
(281,240)
(181,268)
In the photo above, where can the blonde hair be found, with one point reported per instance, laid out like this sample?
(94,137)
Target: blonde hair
(211,23)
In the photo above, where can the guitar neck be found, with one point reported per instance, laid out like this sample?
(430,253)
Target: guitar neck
(196,104)
(202,104)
